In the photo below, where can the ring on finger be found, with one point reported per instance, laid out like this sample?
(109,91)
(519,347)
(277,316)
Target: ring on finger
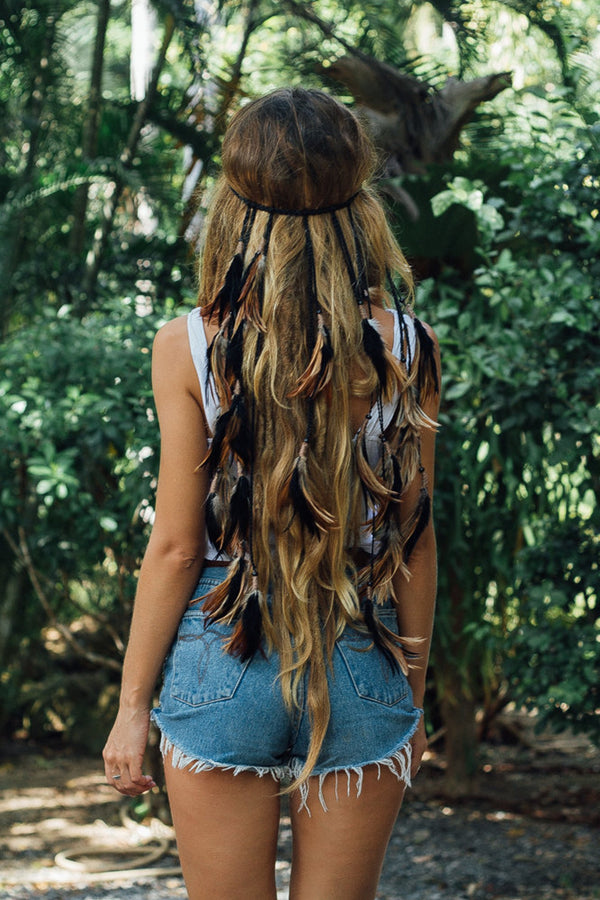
(115,777)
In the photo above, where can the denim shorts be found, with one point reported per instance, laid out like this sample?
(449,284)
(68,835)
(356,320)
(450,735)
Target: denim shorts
(218,712)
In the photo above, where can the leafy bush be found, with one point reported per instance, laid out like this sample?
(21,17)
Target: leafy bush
(78,464)
(553,663)
(519,454)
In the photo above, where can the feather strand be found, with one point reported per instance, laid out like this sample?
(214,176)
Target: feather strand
(238,520)
(421,520)
(427,368)
(375,349)
(317,374)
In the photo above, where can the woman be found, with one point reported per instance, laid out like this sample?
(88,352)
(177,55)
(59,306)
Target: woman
(291,570)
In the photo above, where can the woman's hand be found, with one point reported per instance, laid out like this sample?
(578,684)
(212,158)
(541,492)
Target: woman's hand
(124,752)
(419,746)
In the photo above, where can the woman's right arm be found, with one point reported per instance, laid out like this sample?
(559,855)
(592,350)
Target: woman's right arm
(174,556)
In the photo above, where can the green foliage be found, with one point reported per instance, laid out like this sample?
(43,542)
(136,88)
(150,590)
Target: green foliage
(78,461)
(553,663)
(507,249)
(78,444)
(519,455)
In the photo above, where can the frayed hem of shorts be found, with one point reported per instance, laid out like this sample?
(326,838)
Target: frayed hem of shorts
(182,760)
(398,763)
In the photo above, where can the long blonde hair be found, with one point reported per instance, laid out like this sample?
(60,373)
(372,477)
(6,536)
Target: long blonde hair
(296,248)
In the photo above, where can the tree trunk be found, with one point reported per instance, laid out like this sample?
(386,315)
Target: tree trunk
(413,124)
(14,584)
(143,25)
(95,255)
(92,124)
(231,87)
(455,671)
(191,223)
(32,113)
(458,710)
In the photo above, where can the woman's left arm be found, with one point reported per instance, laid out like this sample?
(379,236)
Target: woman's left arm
(173,558)
(415,598)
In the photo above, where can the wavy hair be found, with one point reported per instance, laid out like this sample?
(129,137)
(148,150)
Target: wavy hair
(296,249)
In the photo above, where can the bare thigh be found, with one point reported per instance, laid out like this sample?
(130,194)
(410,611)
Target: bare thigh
(226,827)
(338,854)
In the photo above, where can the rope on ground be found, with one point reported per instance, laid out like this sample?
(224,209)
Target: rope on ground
(76,879)
(110,863)
(93,859)
(103,862)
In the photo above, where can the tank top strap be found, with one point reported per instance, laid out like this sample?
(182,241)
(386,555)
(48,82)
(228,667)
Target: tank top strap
(407,332)
(199,348)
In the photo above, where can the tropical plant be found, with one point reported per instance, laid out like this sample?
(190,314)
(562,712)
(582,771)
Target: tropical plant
(78,451)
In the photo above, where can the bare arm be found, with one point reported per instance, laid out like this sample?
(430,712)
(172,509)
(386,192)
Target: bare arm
(174,555)
(416,598)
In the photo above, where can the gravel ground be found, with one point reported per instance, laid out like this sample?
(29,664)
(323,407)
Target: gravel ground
(522,838)
(433,855)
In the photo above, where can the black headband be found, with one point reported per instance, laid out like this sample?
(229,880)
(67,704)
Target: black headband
(275,210)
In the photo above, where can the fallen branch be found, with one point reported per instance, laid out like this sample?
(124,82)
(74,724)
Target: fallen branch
(22,553)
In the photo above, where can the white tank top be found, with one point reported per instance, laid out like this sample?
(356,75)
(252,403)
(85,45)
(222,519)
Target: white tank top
(199,347)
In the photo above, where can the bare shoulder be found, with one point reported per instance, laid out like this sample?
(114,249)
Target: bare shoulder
(172,356)
(172,337)
(171,348)
(385,321)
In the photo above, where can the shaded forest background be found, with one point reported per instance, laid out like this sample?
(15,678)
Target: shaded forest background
(486,115)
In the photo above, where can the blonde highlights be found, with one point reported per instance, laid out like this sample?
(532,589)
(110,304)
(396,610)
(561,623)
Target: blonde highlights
(294,235)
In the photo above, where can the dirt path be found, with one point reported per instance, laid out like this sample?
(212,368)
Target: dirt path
(530,833)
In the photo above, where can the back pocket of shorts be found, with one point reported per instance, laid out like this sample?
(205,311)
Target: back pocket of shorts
(370,672)
(203,672)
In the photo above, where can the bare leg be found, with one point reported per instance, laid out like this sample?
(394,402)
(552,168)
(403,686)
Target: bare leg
(338,854)
(226,827)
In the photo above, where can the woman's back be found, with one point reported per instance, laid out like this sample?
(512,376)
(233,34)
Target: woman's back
(296,408)
(201,333)
(319,421)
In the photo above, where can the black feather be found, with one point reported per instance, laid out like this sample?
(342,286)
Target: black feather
(234,355)
(209,352)
(222,425)
(232,434)
(239,510)
(427,364)
(299,501)
(375,350)
(251,625)
(327,349)
(232,286)
(423,513)
(396,484)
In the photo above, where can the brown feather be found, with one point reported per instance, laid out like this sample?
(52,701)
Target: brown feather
(249,310)
(376,489)
(313,516)
(317,375)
